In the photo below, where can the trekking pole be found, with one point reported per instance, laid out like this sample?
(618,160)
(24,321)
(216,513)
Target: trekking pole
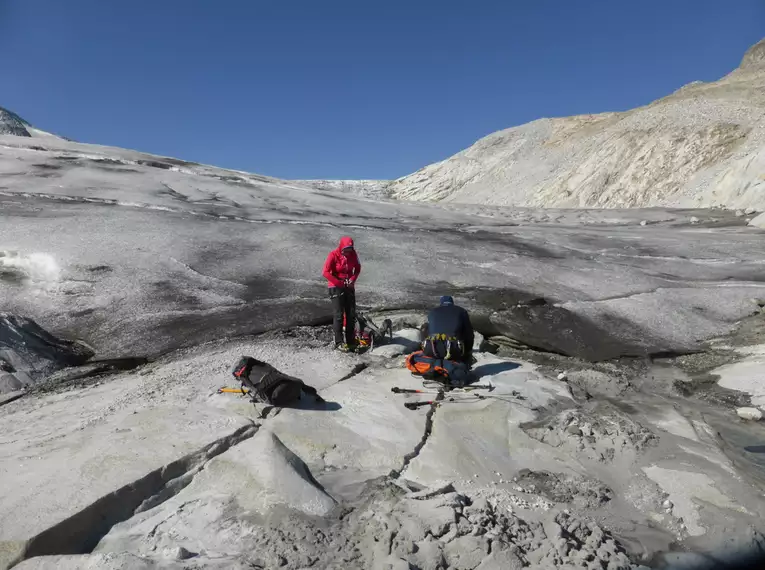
(397,390)
(428,390)
(488,387)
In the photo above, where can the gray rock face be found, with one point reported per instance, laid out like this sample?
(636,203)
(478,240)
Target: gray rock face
(28,352)
(9,383)
(557,329)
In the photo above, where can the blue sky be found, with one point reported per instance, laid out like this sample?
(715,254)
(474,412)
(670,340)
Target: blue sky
(348,89)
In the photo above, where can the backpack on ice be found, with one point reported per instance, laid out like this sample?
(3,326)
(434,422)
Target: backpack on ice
(368,334)
(267,385)
(448,372)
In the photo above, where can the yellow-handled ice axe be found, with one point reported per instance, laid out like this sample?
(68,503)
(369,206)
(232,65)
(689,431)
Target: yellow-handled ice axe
(233,391)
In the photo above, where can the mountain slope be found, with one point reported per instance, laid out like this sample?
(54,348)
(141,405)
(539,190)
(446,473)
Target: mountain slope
(702,146)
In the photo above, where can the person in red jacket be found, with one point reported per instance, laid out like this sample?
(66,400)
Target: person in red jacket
(341,270)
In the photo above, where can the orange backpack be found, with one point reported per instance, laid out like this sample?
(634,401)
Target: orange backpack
(422,365)
(439,369)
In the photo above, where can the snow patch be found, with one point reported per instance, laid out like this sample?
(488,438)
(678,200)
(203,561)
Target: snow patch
(28,269)
(685,489)
(746,375)
(758,221)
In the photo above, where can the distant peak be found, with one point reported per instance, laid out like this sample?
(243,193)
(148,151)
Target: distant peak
(12,124)
(754,56)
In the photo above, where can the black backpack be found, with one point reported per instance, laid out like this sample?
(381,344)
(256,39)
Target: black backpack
(369,334)
(271,387)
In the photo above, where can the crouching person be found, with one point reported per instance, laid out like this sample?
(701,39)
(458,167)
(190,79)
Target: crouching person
(447,346)
(267,385)
(449,333)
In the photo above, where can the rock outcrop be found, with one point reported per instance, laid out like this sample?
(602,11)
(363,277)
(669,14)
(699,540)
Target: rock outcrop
(754,57)
(28,353)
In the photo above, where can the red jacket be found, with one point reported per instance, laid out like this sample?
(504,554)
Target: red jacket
(340,266)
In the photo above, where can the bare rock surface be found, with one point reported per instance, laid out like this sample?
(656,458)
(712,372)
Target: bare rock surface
(482,479)
(605,434)
(581,492)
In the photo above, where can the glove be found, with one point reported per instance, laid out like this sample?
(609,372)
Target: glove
(348,284)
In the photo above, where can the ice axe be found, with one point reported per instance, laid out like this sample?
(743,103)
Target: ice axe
(415,405)
(233,390)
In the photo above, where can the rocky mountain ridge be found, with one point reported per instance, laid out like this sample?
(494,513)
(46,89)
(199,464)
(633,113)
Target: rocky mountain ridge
(702,146)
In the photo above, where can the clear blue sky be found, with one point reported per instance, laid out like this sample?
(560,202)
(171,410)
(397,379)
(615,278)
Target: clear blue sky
(348,88)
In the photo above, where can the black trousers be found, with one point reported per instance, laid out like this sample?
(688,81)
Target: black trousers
(343,303)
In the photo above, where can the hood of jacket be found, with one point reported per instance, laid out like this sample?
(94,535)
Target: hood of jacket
(345,242)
